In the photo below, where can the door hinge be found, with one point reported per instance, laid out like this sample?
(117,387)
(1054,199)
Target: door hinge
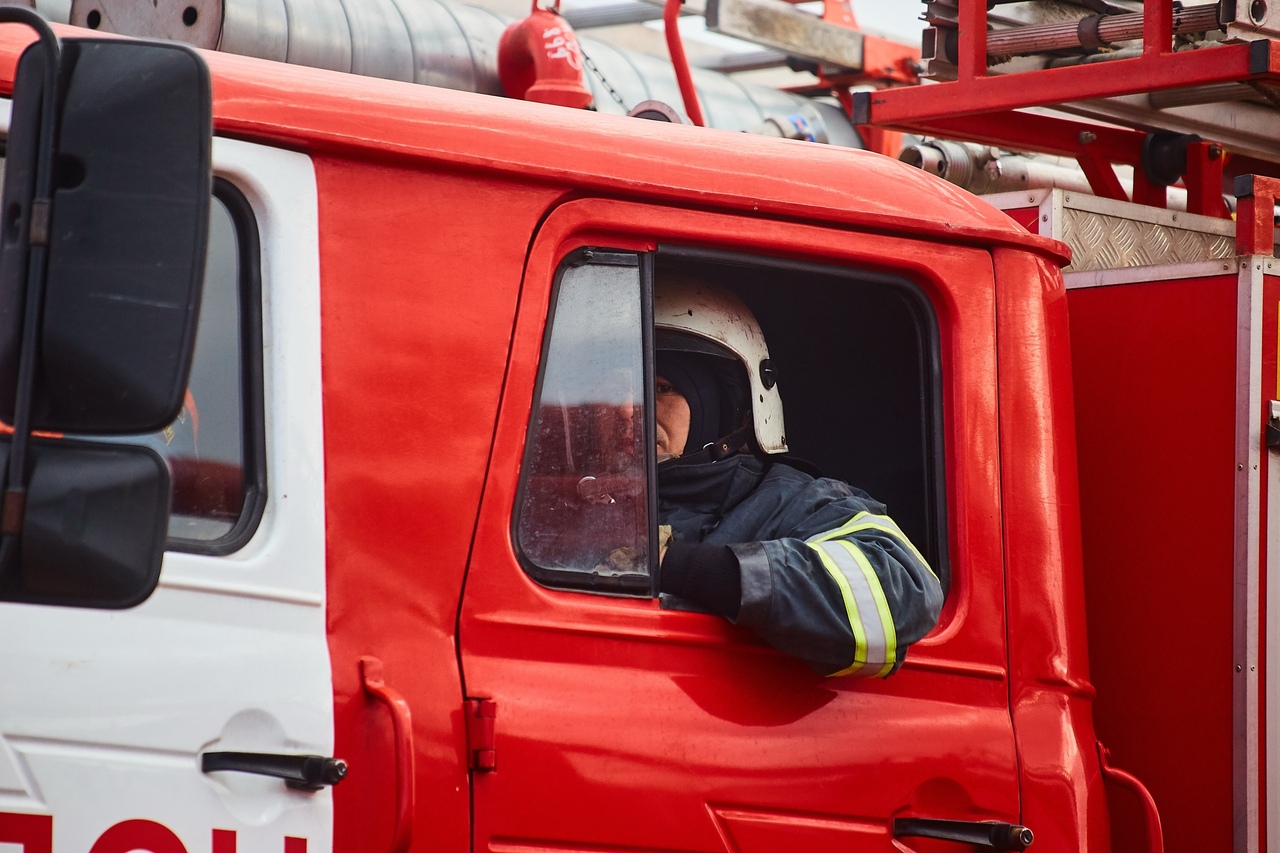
(480,714)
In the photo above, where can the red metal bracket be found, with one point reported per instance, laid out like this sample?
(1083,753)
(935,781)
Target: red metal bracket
(402,728)
(1150,814)
(1102,177)
(481,715)
(1255,214)
(1204,179)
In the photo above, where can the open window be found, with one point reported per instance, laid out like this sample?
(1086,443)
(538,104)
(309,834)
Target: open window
(858,363)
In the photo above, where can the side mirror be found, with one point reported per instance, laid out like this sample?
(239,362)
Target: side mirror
(125,228)
(103,228)
(94,515)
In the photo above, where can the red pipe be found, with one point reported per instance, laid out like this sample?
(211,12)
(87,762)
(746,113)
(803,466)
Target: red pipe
(670,17)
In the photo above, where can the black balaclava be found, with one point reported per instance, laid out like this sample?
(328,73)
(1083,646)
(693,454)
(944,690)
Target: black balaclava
(719,398)
(716,389)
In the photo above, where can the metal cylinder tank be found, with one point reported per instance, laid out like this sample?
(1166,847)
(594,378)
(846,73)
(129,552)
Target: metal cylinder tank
(57,11)
(431,42)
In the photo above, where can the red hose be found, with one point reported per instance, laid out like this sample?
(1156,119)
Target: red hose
(670,17)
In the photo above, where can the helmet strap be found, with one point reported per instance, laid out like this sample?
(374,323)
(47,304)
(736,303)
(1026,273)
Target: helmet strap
(721,448)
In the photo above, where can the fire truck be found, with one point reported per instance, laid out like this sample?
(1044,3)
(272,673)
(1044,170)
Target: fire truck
(283,352)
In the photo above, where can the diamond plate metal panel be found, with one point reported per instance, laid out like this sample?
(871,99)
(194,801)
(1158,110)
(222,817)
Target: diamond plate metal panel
(1100,242)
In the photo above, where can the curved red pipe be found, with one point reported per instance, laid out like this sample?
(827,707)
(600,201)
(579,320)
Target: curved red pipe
(670,15)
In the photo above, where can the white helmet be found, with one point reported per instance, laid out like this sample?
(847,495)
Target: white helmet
(711,313)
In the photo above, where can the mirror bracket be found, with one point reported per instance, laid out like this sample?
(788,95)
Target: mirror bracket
(41,214)
(89,345)
(15,493)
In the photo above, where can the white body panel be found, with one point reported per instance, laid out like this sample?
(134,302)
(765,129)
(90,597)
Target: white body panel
(104,714)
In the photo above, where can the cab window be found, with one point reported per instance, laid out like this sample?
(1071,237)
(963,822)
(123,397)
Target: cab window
(586,485)
(856,356)
(215,447)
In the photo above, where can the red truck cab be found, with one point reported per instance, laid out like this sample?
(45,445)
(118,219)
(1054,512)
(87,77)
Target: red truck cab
(402,257)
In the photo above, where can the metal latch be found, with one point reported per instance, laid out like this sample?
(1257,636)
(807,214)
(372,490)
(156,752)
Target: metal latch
(1273,423)
(481,714)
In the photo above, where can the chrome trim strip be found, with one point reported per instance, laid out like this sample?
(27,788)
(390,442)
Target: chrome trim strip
(1248,481)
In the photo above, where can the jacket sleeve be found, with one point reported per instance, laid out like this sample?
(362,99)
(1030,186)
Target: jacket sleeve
(840,586)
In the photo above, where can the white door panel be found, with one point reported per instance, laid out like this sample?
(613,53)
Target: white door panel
(103,715)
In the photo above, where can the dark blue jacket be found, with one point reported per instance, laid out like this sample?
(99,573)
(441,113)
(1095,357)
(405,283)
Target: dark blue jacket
(825,575)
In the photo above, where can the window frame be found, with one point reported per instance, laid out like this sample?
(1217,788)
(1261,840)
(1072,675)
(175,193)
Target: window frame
(253,402)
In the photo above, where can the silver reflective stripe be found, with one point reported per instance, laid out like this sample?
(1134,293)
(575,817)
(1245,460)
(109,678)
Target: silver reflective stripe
(870,619)
(881,523)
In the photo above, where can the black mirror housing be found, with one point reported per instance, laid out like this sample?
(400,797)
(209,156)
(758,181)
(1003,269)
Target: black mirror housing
(103,227)
(126,233)
(95,525)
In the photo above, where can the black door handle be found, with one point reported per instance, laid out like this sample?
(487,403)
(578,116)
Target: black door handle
(990,834)
(303,772)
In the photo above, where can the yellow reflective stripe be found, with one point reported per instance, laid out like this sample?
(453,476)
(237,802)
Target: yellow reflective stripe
(877,645)
(882,606)
(851,610)
(870,521)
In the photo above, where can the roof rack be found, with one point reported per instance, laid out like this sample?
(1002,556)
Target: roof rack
(1091,67)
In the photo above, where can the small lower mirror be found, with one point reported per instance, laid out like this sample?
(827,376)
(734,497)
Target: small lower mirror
(95,525)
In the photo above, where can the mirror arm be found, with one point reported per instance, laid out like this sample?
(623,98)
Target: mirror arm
(14,504)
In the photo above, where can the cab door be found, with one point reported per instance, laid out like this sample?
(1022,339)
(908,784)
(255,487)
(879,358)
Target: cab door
(605,719)
(107,717)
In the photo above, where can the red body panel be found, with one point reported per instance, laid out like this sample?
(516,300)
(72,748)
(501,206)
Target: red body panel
(624,726)
(1062,793)
(1154,367)
(416,319)
(581,152)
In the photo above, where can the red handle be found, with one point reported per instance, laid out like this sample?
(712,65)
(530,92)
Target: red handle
(1150,814)
(402,727)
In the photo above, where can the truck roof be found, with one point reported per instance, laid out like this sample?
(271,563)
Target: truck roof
(324,111)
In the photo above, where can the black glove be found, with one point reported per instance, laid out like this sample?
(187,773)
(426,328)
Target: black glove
(706,575)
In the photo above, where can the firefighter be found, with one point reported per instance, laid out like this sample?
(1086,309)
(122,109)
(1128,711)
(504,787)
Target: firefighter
(813,566)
